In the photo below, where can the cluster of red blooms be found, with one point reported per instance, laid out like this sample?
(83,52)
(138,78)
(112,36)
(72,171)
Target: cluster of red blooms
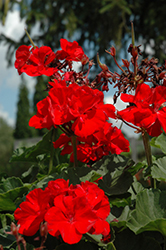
(70,211)
(147,109)
(71,104)
(77,108)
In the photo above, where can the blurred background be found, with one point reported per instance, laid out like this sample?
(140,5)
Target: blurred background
(95,24)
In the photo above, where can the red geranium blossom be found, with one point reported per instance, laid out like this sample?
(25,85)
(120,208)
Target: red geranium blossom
(82,209)
(57,187)
(70,211)
(148,109)
(36,61)
(43,118)
(112,139)
(71,217)
(94,147)
(97,199)
(71,51)
(99,204)
(31,212)
(22,57)
(79,104)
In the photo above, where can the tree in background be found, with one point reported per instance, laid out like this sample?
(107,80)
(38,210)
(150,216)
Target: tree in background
(22,129)
(95,24)
(6,145)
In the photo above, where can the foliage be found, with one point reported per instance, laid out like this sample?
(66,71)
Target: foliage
(80,191)
(6,145)
(96,23)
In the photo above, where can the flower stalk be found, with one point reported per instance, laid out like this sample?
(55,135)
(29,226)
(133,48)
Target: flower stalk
(74,145)
(148,153)
(30,39)
(52,151)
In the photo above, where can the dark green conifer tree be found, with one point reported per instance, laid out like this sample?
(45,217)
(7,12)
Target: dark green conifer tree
(22,129)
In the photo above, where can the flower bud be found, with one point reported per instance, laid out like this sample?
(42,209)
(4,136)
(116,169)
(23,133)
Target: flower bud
(43,229)
(14,229)
(126,63)
(134,50)
(102,66)
(112,51)
(162,75)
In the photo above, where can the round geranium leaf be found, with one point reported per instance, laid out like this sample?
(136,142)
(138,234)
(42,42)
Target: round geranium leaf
(150,212)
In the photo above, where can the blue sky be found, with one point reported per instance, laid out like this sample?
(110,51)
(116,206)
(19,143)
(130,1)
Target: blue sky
(10,80)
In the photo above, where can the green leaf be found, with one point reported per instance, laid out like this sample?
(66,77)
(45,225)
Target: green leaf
(110,246)
(30,154)
(121,221)
(11,183)
(115,170)
(119,184)
(160,142)
(158,169)
(44,181)
(76,175)
(6,218)
(30,174)
(120,202)
(7,240)
(6,204)
(11,189)
(135,188)
(150,212)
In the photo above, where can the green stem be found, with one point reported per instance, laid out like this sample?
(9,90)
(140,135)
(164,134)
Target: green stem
(132,34)
(30,39)
(52,151)
(147,147)
(73,139)
(148,154)
(112,246)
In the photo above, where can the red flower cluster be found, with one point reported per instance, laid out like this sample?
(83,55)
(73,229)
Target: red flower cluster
(70,211)
(35,62)
(71,51)
(71,104)
(147,109)
(43,61)
(80,104)
(81,111)
(94,147)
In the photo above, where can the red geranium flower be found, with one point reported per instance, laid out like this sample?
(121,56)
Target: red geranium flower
(97,199)
(70,211)
(148,109)
(35,62)
(43,118)
(22,57)
(94,147)
(57,187)
(80,105)
(99,204)
(70,218)
(112,139)
(71,51)
(31,212)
